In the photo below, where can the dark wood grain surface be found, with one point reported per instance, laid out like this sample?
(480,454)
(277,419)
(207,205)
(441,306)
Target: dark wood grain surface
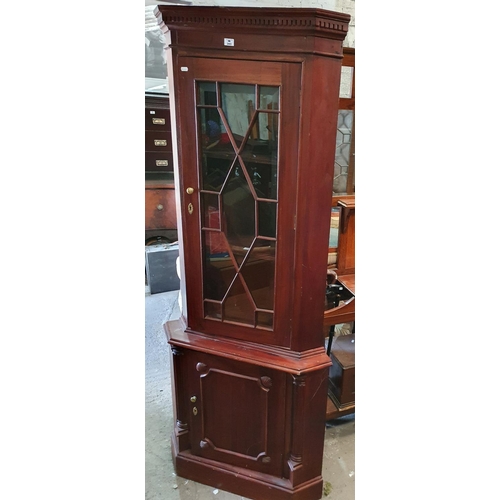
(251,401)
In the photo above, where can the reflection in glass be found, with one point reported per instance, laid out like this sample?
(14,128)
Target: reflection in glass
(213,310)
(207,94)
(237,306)
(267,219)
(265,319)
(261,159)
(237,189)
(238,206)
(343,149)
(210,210)
(210,127)
(218,269)
(217,152)
(258,272)
(214,171)
(238,105)
(269,98)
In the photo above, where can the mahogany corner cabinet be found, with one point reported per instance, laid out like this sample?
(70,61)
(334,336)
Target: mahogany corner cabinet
(254,99)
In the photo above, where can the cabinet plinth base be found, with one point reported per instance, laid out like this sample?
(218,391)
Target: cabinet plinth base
(240,481)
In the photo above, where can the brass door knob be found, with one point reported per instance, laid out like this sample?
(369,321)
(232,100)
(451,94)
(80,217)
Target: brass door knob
(193,399)
(189,190)
(160,207)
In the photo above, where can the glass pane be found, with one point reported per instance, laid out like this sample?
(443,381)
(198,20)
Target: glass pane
(343,149)
(210,127)
(269,98)
(238,270)
(215,164)
(213,310)
(210,210)
(218,269)
(258,273)
(238,205)
(217,154)
(346,82)
(261,157)
(207,93)
(238,104)
(267,219)
(237,306)
(265,320)
(268,126)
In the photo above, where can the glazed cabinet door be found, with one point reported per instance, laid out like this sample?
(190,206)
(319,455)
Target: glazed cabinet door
(237,412)
(239,154)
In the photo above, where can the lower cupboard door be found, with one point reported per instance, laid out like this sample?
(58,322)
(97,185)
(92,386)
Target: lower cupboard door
(237,412)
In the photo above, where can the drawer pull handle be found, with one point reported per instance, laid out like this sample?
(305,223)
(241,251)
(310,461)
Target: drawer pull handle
(160,142)
(162,163)
(160,207)
(158,121)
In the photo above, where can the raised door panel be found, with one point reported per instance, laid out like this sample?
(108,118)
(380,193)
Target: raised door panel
(239,214)
(237,413)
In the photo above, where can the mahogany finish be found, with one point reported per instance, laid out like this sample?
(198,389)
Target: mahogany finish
(160,206)
(341,375)
(250,381)
(161,218)
(158,141)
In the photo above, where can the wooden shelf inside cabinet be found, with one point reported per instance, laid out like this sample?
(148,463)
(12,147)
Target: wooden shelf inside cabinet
(246,156)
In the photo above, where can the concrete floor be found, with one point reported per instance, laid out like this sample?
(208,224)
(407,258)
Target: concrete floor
(161,481)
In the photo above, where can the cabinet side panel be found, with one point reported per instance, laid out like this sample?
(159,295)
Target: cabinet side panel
(315,183)
(175,93)
(308,426)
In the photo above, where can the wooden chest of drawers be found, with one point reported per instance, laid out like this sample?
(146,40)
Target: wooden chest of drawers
(341,376)
(157,117)
(160,206)
(161,222)
(158,141)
